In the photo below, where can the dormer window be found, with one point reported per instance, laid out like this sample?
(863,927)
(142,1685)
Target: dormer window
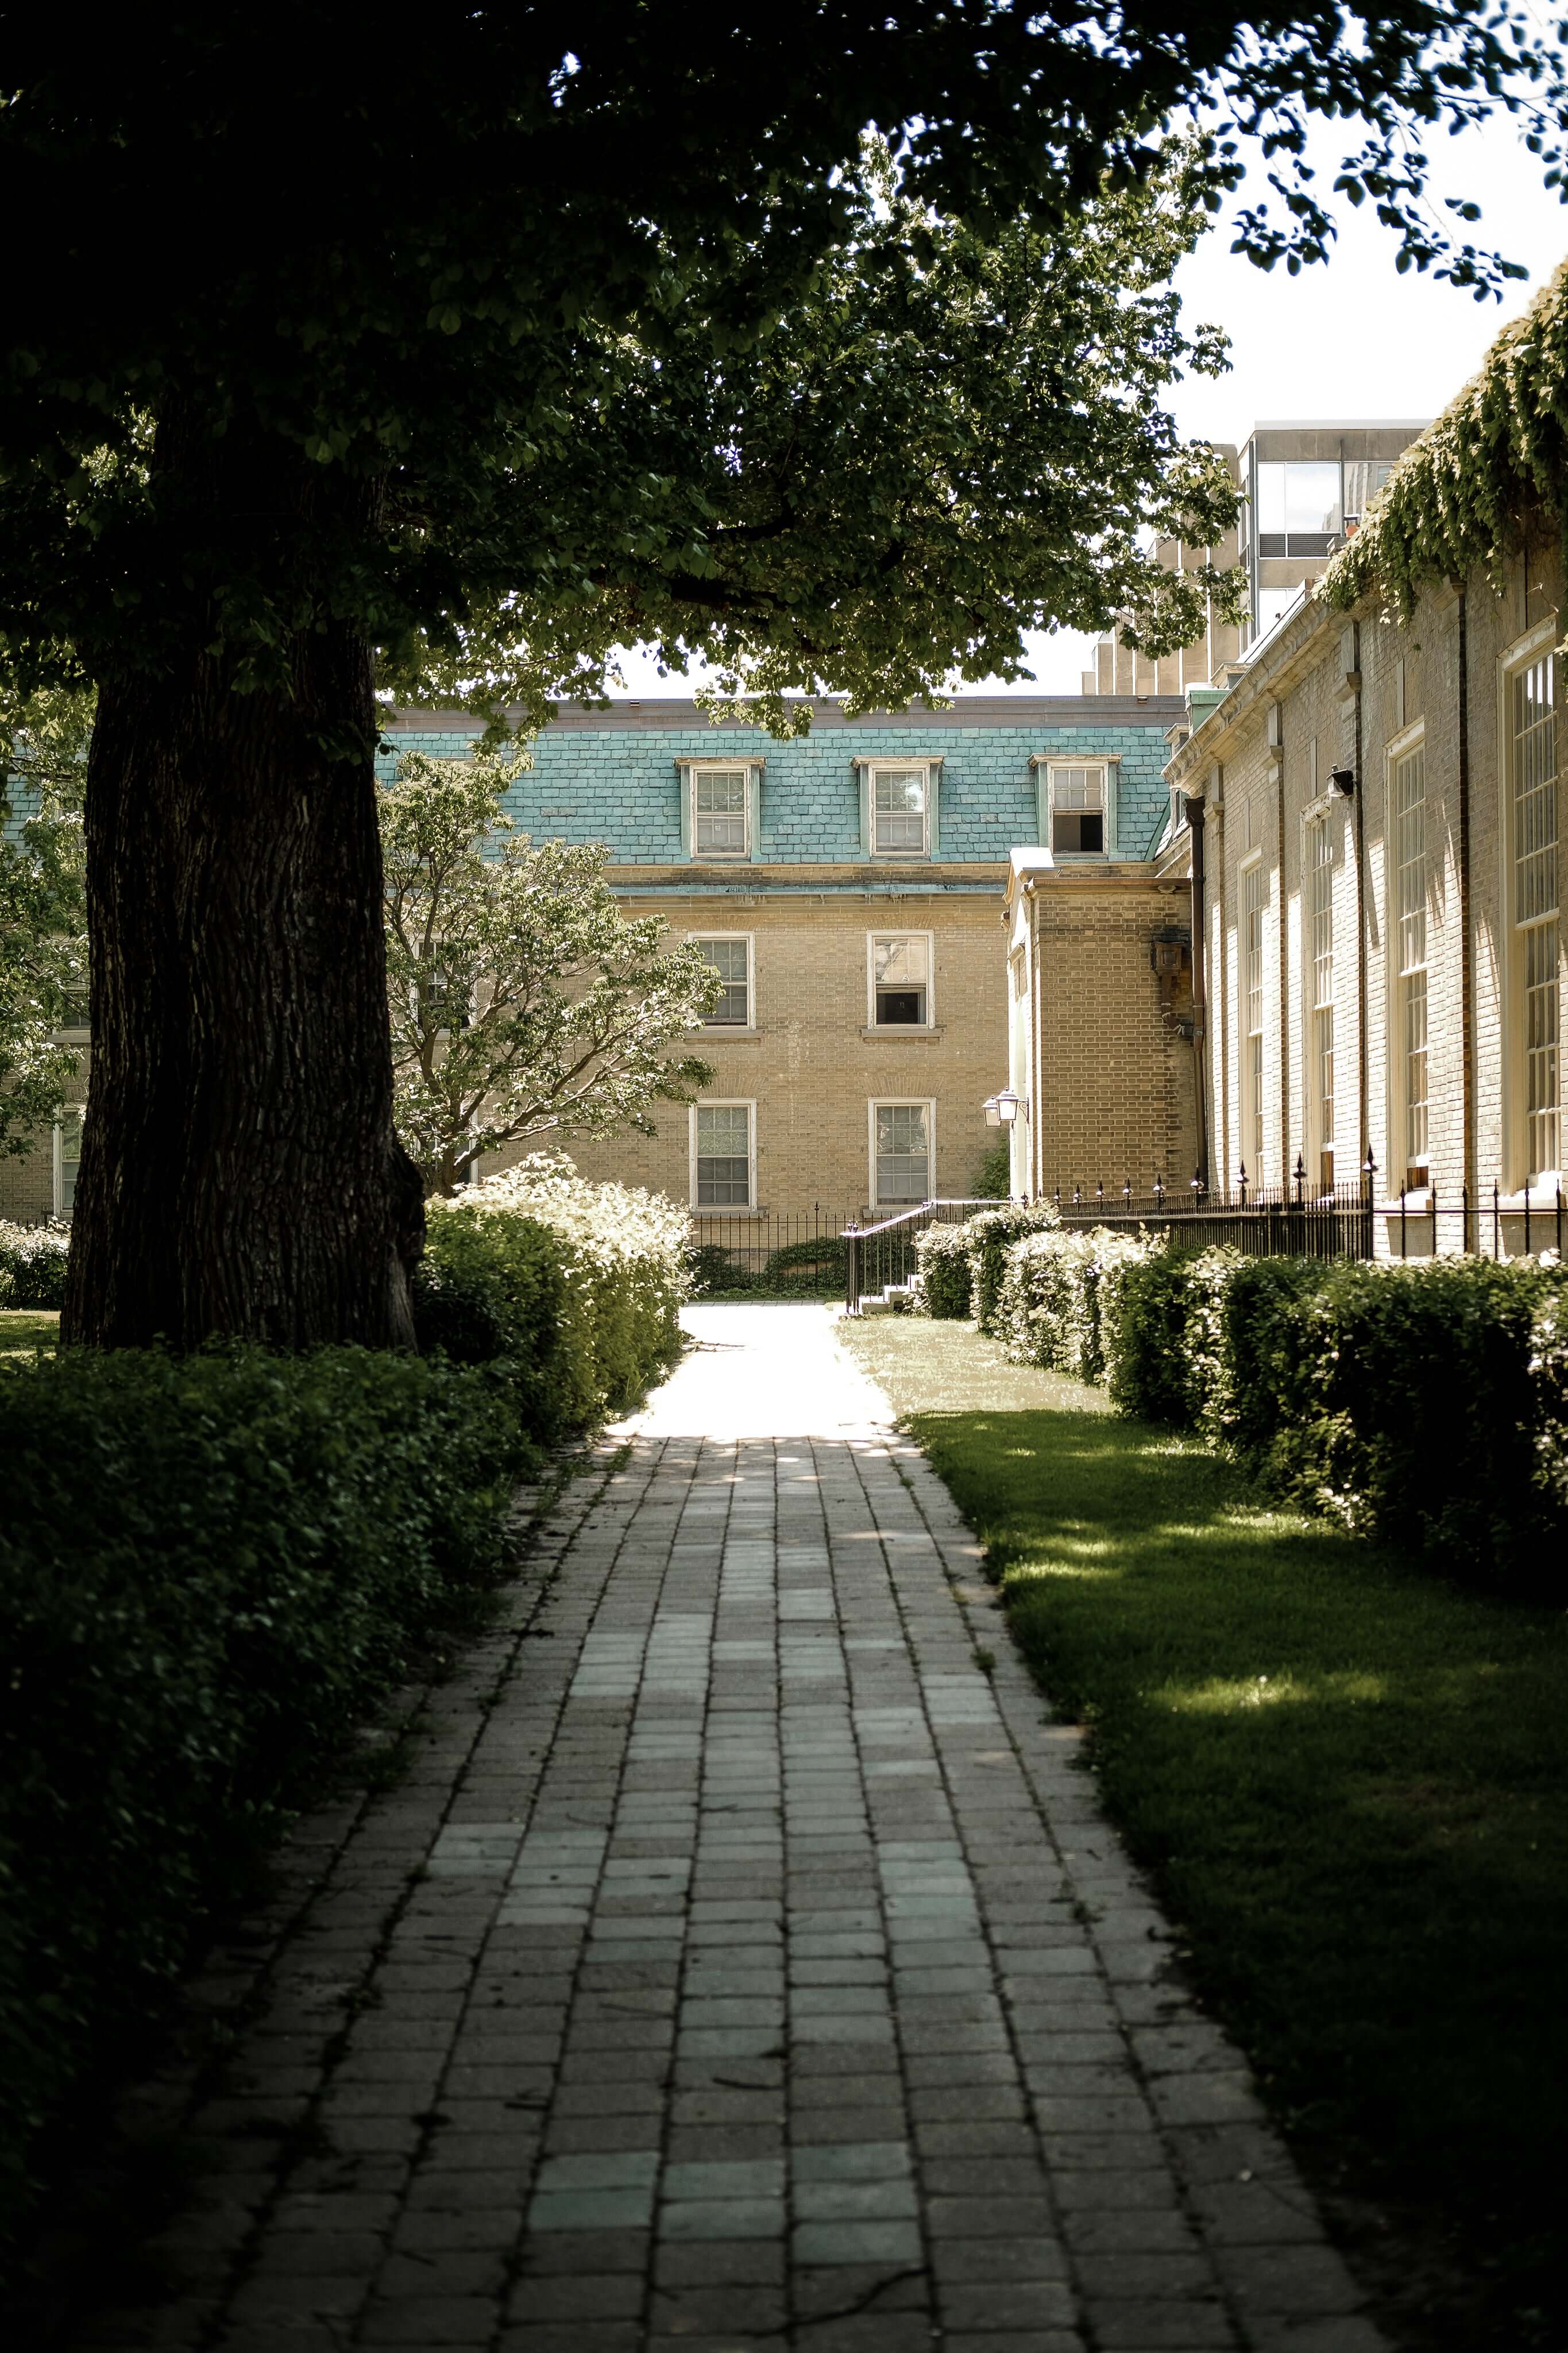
(721,813)
(901,811)
(1078,811)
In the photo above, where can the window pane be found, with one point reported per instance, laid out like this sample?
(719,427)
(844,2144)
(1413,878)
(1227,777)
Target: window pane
(1255,899)
(898,969)
(1271,499)
(721,810)
(898,809)
(1313,499)
(723,1155)
(1077,789)
(1535,901)
(901,964)
(903,1153)
(71,1163)
(728,958)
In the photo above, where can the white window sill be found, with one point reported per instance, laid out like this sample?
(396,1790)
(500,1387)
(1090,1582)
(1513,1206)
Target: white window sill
(894,1030)
(707,1209)
(727,1032)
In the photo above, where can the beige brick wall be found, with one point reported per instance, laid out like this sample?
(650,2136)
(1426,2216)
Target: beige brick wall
(1112,1076)
(1362,692)
(811,1069)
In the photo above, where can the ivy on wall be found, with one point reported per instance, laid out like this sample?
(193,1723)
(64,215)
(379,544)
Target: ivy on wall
(1457,497)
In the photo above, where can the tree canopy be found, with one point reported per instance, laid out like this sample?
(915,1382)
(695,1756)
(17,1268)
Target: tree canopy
(435,263)
(523,1002)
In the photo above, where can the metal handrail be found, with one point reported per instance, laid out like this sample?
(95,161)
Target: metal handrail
(919,1216)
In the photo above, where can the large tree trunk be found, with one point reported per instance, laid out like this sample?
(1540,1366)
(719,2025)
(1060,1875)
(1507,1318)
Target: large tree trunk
(240,1170)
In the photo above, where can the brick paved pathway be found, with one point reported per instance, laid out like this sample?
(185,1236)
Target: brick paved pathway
(741,1966)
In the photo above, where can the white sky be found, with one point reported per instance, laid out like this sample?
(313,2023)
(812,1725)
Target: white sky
(1349,339)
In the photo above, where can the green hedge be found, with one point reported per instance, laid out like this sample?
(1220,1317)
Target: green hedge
(576,1286)
(988,1237)
(944,1276)
(1427,1404)
(1057,1303)
(34,1259)
(210,1567)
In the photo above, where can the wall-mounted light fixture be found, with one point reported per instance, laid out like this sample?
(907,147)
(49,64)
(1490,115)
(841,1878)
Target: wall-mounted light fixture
(1342,781)
(1001,1110)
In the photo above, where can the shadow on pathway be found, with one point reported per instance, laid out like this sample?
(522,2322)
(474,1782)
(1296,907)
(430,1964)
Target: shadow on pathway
(741,1964)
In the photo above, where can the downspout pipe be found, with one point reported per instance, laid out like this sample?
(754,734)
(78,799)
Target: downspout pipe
(1466,943)
(1200,990)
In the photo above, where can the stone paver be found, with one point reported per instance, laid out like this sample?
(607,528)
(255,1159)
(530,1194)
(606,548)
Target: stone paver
(739,1964)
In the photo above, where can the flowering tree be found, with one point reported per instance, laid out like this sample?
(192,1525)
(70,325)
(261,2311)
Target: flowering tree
(523,1003)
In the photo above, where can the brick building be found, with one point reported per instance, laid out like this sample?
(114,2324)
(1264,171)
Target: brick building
(1374,854)
(1305,486)
(850,883)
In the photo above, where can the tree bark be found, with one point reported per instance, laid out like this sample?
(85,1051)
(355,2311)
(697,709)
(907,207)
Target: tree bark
(239,1173)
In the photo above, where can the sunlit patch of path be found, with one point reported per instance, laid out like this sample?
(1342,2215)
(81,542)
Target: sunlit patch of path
(745,1964)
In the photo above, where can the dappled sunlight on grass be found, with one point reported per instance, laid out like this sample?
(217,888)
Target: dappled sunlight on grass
(1349,1779)
(24,1330)
(1223,1698)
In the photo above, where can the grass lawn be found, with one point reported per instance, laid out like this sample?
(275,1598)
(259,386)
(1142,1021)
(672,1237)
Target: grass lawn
(1350,1783)
(23,1329)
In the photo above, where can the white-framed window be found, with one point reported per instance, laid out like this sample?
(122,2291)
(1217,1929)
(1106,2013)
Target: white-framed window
(1077,813)
(1254,910)
(1410,875)
(723,1155)
(1320,1040)
(899,980)
(900,795)
(903,1152)
(730,954)
(721,808)
(1535,917)
(67,1161)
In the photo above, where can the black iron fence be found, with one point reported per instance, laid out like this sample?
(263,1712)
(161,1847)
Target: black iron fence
(799,1255)
(1291,1222)
(881,1255)
(1300,1221)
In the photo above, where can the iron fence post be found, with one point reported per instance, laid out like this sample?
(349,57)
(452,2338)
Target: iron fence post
(1527,1217)
(852,1269)
(1497,1224)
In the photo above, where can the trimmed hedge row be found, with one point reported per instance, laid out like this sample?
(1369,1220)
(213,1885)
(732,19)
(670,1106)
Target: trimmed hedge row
(1059,1300)
(576,1286)
(210,1567)
(1426,1404)
(944,1287)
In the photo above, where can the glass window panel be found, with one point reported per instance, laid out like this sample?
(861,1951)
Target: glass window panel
(71,1163)
(723,1156)
(903,1152)
(901,964)
(1255,900)
(1535,905)
(728,958)
(898,809)
(1313,499)
(721,811)
(899,976)
(1271,499)
(1410,885)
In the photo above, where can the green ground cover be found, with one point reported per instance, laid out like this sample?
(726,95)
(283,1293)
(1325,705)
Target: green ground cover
(24,1329)
(1348,1778)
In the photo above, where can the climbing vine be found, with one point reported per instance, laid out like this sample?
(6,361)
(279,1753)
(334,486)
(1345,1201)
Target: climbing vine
(1457,497)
